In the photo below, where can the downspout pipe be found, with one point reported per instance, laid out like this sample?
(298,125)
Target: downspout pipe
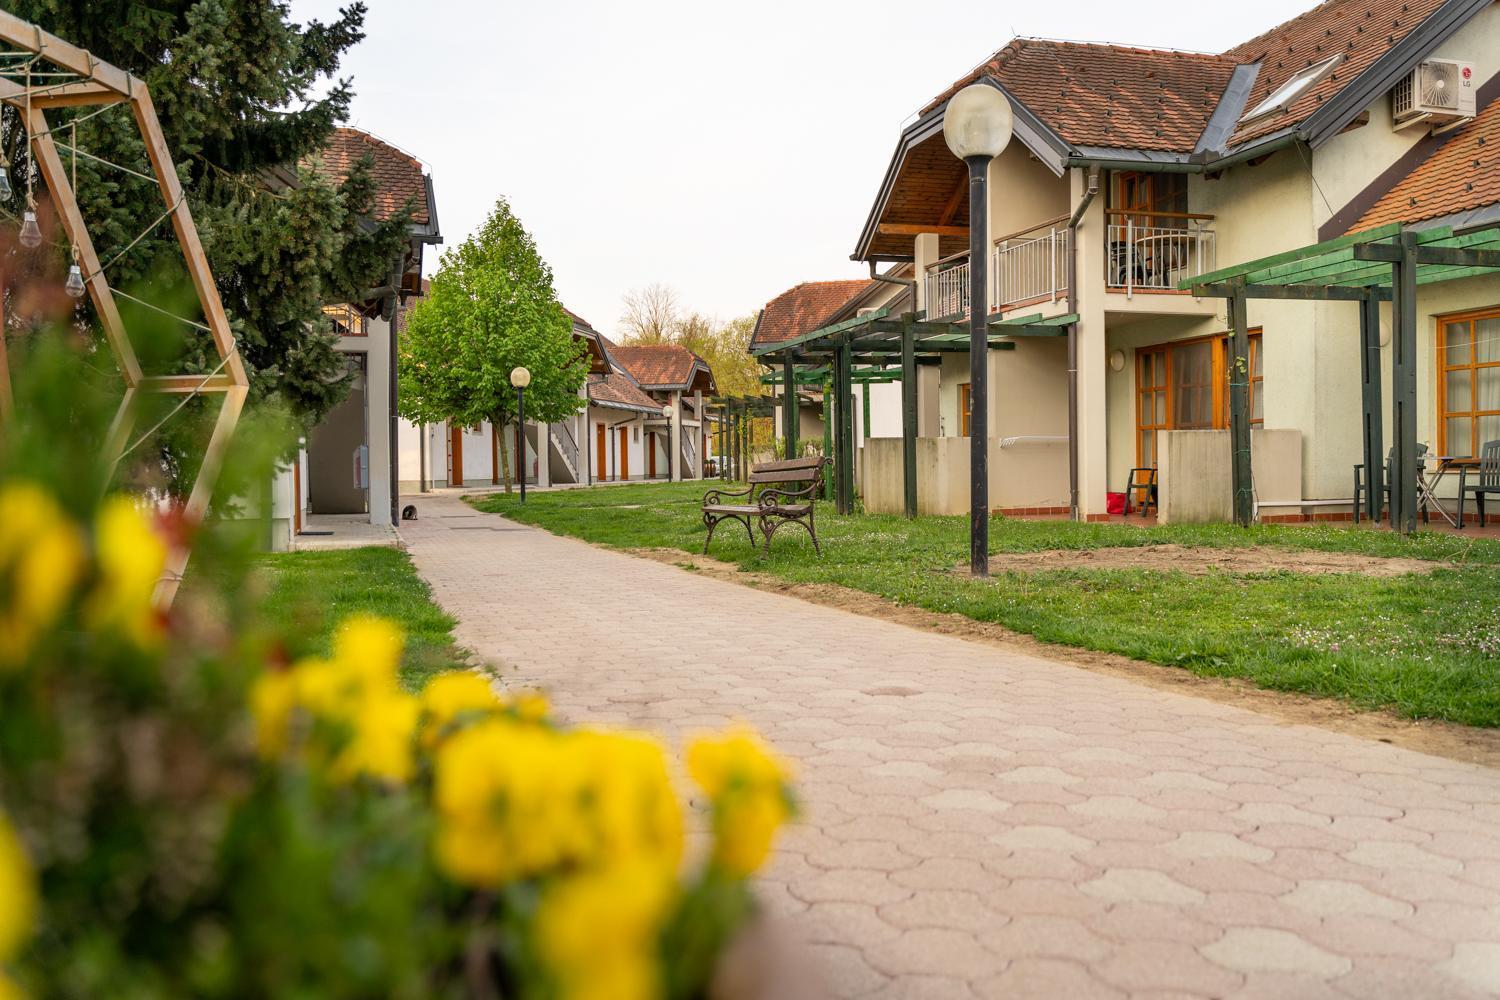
(1077,217)
(910,283)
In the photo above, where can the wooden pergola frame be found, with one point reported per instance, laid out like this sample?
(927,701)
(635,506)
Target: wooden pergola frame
(74,78)
(828,355)
(1384,264)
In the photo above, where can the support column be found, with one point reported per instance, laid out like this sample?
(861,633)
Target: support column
(1239,408)
(828,413)
(1371,409)
(675,438)
(846,429)
(1404,386)
(926,250)
(789,415)
(700,440)
(908,416)
(1093,411)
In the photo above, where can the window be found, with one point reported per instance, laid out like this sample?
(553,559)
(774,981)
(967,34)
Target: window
(1143,197)
(1468,383)
(964,409)
(1288,93)
(1185,386)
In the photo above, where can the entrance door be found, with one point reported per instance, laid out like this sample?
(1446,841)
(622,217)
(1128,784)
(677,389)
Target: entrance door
(651,453)
(601,460)
(338,456)
(624,453)
(455,456)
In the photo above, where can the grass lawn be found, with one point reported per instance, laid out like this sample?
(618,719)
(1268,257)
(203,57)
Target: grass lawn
(312,592)
(1425,646)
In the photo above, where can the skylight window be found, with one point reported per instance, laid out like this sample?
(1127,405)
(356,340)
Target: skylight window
(1287,94)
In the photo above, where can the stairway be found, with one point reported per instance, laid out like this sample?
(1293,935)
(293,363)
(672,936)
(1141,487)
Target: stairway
(565,448)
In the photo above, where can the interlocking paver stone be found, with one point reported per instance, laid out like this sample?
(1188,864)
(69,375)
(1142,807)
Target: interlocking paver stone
(989,823)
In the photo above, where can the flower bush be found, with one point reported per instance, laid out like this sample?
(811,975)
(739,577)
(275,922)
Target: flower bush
(188,807)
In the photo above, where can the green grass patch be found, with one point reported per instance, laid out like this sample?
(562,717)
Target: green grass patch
(311,593)
(1422,645)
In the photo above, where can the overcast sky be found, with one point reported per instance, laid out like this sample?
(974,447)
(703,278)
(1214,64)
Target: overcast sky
(727,150)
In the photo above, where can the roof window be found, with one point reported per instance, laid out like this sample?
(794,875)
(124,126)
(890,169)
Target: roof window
(1287,94)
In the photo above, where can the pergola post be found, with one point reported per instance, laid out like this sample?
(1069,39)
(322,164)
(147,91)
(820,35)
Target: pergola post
(828,412)
(1373,433)
(1404,385)
(1239,406)
(845,449)
(790,416)
(909,416)
(864,416)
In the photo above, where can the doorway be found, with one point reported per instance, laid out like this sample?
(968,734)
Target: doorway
(651,453)
(601,460)
(338,454)
(624,453)
(455,456)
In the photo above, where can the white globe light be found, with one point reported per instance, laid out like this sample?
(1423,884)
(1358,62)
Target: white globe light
(666,411)
(977,122)
(520,377)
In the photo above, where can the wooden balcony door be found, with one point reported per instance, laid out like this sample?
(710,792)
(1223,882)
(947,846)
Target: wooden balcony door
(624,453)
(601,460)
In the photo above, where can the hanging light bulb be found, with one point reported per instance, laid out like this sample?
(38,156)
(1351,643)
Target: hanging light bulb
(6,191)
(74,285)
(31,233)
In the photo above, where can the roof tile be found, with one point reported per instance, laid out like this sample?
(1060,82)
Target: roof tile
(652,365)
(398,177)
(803,309)
(1461,174)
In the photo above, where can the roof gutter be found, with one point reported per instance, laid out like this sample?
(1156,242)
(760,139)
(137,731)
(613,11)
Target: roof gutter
(1196,163)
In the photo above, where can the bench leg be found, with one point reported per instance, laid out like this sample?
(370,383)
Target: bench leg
(712,524)
(767,529)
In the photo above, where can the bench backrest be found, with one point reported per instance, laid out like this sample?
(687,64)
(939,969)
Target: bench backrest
(790,470)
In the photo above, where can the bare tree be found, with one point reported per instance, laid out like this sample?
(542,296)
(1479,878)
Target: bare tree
(651,315)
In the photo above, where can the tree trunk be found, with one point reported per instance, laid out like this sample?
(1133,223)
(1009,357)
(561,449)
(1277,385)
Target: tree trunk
(504,450)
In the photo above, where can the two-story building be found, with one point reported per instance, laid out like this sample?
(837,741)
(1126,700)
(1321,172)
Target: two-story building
(1133,170)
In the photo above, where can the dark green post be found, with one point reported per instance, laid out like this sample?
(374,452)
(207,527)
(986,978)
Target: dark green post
(909,415)
(1404,385)
(789,404)
(1239,407)
(864,422)
(846,429)
(1374,433)
(828,408)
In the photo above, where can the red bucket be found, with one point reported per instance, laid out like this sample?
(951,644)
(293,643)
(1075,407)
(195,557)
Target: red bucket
(1114,503)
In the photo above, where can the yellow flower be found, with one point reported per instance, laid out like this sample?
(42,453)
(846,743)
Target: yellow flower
(371,647)
(131,557)
(597,931)
(41,558)
(529,706)
(273,698)
(381,744)
(451,695)
(17,893)
(750,793)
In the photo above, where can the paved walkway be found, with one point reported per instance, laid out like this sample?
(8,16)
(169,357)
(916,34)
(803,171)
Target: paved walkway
(982,824)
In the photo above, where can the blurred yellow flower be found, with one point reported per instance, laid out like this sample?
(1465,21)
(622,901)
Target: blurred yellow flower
(41,558)
(131,557)
(17,894)
(597,931)
(451,695)
(751,797)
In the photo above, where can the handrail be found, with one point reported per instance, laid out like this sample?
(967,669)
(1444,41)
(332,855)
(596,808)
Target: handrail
(1145,213)
(1031,229)
(948,259)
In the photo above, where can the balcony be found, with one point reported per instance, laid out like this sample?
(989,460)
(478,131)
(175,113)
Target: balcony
(1152,253)
(1025,268)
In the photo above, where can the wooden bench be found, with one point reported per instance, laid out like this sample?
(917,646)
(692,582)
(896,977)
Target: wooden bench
(765,503)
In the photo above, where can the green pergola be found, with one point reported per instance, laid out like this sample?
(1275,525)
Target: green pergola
(734,431)
(1388,263)
(878,347)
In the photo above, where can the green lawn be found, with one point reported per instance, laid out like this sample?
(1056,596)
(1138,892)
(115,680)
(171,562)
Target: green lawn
(312,592)
(1425,646)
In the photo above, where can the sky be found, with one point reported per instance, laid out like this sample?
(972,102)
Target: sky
(728,151)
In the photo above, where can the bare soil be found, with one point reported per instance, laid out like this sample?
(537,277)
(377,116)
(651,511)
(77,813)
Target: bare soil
(1202,560)
(1441,739)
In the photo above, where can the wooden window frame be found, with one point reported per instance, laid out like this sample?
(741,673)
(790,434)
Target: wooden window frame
(1220,404)
(1473,367)
(965,408)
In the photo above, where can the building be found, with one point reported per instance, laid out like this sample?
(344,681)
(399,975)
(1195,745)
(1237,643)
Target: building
(348,464)
(1134,170)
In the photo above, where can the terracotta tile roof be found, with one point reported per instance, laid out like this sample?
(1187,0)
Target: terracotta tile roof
(398,177)
(657,365)
(1109,95)
(803,309)
(1461,174)
(1359,30)
(617,390)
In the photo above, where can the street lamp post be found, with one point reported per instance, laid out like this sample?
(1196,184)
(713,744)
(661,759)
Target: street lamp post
(977,127)
(520,377)
(666,411)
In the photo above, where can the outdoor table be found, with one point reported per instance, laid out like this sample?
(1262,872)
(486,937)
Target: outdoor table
(1434,468)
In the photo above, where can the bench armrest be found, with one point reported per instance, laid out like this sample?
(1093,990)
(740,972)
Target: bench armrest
(772,498)
(713,497)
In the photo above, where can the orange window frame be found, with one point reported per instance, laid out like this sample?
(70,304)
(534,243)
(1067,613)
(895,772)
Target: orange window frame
(1473,366)
(965,410)
(1163,384)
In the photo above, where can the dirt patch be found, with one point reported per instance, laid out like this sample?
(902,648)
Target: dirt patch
(1441,739)
(1197,560)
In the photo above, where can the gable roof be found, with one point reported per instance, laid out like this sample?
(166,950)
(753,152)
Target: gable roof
(618,391)
(1461,175)
(1108,95)
(661,366)
(803,308)
(399,177)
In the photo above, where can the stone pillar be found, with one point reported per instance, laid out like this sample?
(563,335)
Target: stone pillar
(926,252)
(1093,356)
(929,379)
(676,438)
(700,440)
(543,455)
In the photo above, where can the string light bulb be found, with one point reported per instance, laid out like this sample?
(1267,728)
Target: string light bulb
(74,285)
(31,233)
(6,191)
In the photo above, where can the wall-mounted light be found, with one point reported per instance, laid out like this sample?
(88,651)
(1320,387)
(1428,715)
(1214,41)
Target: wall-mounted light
(1117,360)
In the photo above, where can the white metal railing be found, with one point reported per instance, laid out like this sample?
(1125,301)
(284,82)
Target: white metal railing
(1157,257)
(1030,267)
(689,456)
(566,445)
(947,288)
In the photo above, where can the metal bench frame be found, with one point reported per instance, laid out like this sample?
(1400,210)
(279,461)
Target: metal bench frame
(771,506)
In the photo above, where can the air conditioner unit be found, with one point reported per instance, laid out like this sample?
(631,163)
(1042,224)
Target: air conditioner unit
(1438,90)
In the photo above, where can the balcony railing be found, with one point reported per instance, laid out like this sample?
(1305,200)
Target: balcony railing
(1030,266)
(1155,251)
(947,288)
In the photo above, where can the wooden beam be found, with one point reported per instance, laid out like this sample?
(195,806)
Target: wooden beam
(954,200)
(909,229)
(186,384)
(1332,293)
(1450,256)
(1239,408)
(1404,387)
(909,422)
(1370,407)
(1307,253)
(22,34)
